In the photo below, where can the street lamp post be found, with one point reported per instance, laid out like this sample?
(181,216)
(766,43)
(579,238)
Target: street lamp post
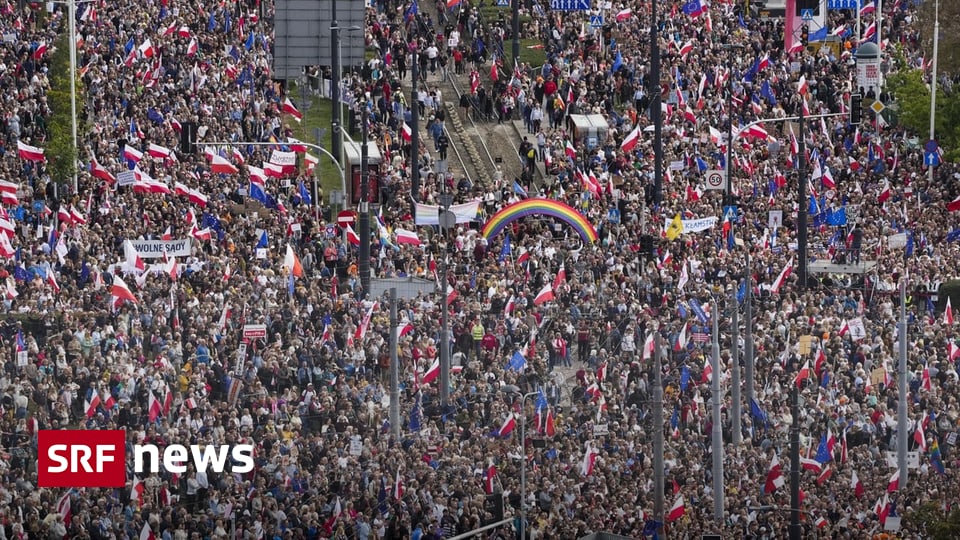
(717,431)
(933,78)
(523,462)
(364,208)
(336,120)
(445,199)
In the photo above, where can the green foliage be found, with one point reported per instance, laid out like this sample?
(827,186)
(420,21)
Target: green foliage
(912,96)
(934,523)
(60,152)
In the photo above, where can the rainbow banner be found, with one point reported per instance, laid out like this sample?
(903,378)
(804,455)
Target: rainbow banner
(540,207)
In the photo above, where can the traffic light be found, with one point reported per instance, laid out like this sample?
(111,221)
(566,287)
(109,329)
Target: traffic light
(856,110)
(804,34)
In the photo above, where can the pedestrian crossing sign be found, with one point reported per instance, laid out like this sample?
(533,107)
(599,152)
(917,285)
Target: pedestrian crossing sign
(503,3)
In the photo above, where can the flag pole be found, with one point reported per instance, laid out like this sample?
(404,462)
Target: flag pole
(658,476)
(902,419)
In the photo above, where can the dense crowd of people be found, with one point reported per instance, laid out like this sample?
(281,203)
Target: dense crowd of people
(551,335)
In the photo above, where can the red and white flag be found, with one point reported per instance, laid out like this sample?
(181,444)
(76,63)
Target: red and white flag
(677,510)
(121,292)
(291,109)
(631,140)
(775,478)
(856,484)
(589,460)
(405,237)
(220,165)
(784,274)
(948,313)
(29,153)
(894,483)
(545,295)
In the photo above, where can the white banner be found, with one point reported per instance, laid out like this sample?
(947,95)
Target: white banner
(430,215)
(285,159)
(696,225)
(154,249)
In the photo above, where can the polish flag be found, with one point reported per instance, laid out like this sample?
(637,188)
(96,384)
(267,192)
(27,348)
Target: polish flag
(273,171)
(803,374)
(632,139)
(398,487)
(774,476)
(52,280)
(508,425)
(857,485)
(432,372)
(561,277)
(291,109)
(201,234)
(954,205)
(169,31)
(310,161)
(795,48)
(296,145)
(405,237)
(884,192)
(352,236)
(707,374)
(99,171)
(167,234)
(948,313)
(63,507)
(132,154)
(868,9)
(160,152)
(545,295)
(825,475)
(406,132)
(29,153)
(197,198)
(677,510)
(147,49)
(811,465)
(121,292)
(589,460)
(869,32)
(686,49)
(570,150)
(220,165)
(77,217)
(802,87)
(757,131)
(784,274)
(821,522)
(192,47)
(623,14)
(919,437)
(184,31)
(894,483)
(132,258)
(257,175)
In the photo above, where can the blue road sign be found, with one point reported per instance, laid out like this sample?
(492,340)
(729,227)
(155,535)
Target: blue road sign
(503,3)
(931,159)
(570,5)
(843,4)
(596,21)
(931,146)
(806,14)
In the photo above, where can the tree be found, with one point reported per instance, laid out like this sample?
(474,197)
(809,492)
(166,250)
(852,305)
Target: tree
(948,58)
(933,522)
(912,95)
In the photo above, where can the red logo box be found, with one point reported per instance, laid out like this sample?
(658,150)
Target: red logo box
(81,459)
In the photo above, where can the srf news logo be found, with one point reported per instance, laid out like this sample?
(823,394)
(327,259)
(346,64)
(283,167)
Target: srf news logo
(97,458)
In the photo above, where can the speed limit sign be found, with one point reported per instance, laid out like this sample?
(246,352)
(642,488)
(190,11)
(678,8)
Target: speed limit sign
(715,179)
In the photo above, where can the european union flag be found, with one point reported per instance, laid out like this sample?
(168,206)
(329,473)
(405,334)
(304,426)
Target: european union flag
(257,194)
(742,292)
(382,498)
(617,62)
(551,453)
(542,402)
(823,453)
(767,93)
(682,311)
(837,218)
(825,382)
(517,362)
(701,164)
(414,424)
(212,22)
(684,378)
(264,241)
(411,11)
(249,43)
(155,115)
(819,35)
(518,189)
(758,414)
(675,418)
(506,250)
(693,8)
(129,46)
(304,194)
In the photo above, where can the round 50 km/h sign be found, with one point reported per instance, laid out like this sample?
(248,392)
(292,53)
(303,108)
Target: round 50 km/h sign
(714,180)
